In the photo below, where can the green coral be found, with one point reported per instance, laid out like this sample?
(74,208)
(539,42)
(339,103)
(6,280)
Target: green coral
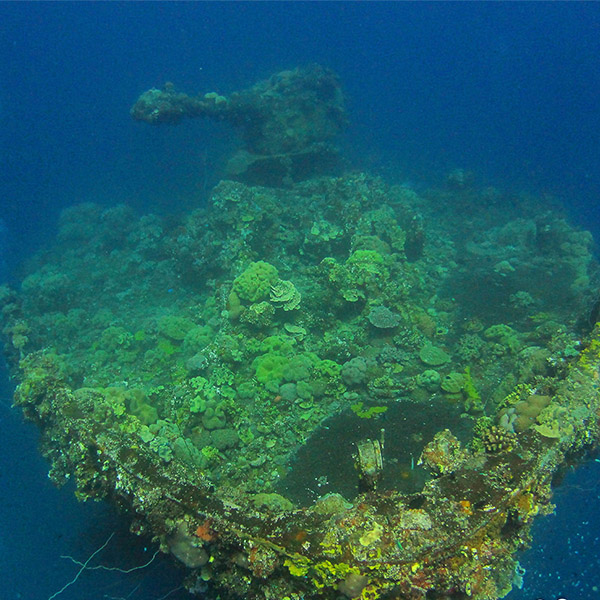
(430,379)
(300,367)
(354,371)
(473,400)
(453,383)
(211,454)
(433,356)
(367,268)
(327,369)
(197,338)
(367,413)
(504,335)
(214,416)
(254,284)
(326,378)
(368,260)
(285,295)
(225,438)
(272,501)
(145,412)
(363,274)
(281,344)
(174,327)
(259,315)
(269,368)
(132,400)
(114,338)
(167,347)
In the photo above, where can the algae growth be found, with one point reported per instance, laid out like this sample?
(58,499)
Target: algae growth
(217,373)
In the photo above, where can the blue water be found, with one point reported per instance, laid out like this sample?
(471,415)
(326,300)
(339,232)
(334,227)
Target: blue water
(508,90)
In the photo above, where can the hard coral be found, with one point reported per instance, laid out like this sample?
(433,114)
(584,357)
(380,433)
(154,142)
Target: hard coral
(496,439)
(254,284)
(383,318)
(285,295)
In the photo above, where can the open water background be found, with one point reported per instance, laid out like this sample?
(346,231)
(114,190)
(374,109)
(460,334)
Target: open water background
(508,90)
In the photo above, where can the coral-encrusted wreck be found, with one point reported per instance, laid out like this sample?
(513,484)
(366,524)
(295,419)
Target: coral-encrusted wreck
(335,389)
(287,123)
